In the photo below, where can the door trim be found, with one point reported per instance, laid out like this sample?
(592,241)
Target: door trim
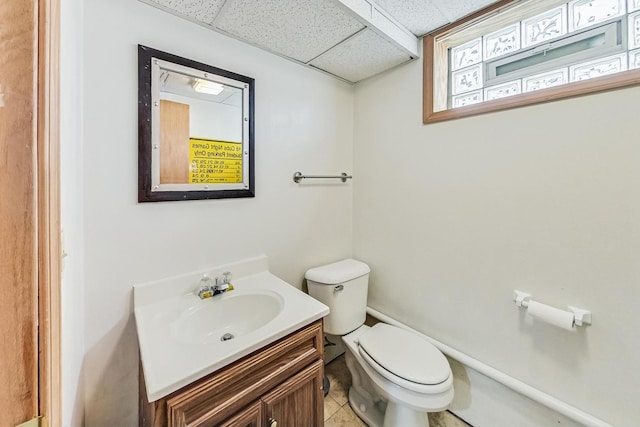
(48,216)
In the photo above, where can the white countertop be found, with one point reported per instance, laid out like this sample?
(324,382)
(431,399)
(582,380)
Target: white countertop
(170,363)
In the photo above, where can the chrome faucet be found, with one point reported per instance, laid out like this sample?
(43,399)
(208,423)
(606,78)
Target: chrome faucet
(223,284)
(207,290)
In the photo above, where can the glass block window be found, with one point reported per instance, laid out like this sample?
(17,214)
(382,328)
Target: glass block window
(634,30)
(634,59)
(467,79)
(503,90)
(598,68)
(546,26)
(584,13)
(466,54)
(543,48)
(545,80)
(502,42)
(468,98)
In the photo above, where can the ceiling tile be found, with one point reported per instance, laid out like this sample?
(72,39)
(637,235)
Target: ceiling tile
(362,56)
(201,10)
(456,9)
(418,16)
(299,29)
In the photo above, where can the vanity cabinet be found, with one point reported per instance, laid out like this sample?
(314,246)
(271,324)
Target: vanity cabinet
(278,384)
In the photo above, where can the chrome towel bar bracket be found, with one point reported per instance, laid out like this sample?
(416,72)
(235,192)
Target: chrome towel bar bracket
(298,176)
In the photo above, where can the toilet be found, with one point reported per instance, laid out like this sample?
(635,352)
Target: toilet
(397,376)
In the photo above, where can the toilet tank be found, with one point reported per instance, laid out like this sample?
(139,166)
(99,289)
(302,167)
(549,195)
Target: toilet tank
(342,286)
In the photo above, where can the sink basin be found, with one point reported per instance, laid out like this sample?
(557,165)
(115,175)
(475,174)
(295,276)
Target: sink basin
(183,338)
(225,317)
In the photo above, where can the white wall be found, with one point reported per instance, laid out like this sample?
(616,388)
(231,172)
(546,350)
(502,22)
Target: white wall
(304,121)
(71,182)
(452,217)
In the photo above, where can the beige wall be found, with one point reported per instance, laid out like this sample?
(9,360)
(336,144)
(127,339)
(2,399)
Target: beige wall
(452,217)
(304,121)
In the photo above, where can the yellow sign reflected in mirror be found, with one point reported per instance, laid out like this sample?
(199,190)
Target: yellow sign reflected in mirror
(215,161)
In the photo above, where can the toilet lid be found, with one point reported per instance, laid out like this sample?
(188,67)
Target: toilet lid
(404,354)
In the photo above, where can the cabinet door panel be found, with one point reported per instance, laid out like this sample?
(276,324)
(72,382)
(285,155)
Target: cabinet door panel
(298,401)
(249,417)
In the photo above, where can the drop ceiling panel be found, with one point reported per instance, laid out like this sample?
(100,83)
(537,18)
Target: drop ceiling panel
(342,37)
(299,29)
(204,11)
(362,56)
(418,16)
(456,9)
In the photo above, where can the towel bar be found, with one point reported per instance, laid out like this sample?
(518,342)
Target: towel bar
(298,176)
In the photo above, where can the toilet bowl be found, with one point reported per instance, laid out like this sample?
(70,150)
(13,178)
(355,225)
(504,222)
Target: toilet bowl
(397,375)
(379,395)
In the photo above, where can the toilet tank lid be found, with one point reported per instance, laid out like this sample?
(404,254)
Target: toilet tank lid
(338,272)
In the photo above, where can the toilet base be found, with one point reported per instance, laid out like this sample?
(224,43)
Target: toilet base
(398,415)
(385,415)
(366,409)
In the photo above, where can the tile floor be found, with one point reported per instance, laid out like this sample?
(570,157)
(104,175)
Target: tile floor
(337,411)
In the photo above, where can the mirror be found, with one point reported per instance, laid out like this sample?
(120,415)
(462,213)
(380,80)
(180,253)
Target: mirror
(195,130)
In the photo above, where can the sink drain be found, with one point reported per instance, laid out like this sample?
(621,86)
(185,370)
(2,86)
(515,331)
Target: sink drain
(226,337)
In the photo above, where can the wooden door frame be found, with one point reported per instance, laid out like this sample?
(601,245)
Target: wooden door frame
(48,213)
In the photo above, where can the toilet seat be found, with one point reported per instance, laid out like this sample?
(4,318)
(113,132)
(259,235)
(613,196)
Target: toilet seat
(404,358)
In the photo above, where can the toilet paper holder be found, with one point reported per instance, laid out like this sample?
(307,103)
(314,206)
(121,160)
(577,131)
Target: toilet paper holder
(581,316)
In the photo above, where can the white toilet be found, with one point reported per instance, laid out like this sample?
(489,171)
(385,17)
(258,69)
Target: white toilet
(397,375)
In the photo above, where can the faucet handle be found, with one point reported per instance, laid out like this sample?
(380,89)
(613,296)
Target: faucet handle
(226,277)
(204,289)
(205,281)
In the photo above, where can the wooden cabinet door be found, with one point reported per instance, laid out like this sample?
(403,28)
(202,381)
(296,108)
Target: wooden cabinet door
(298,402)
(250,417)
